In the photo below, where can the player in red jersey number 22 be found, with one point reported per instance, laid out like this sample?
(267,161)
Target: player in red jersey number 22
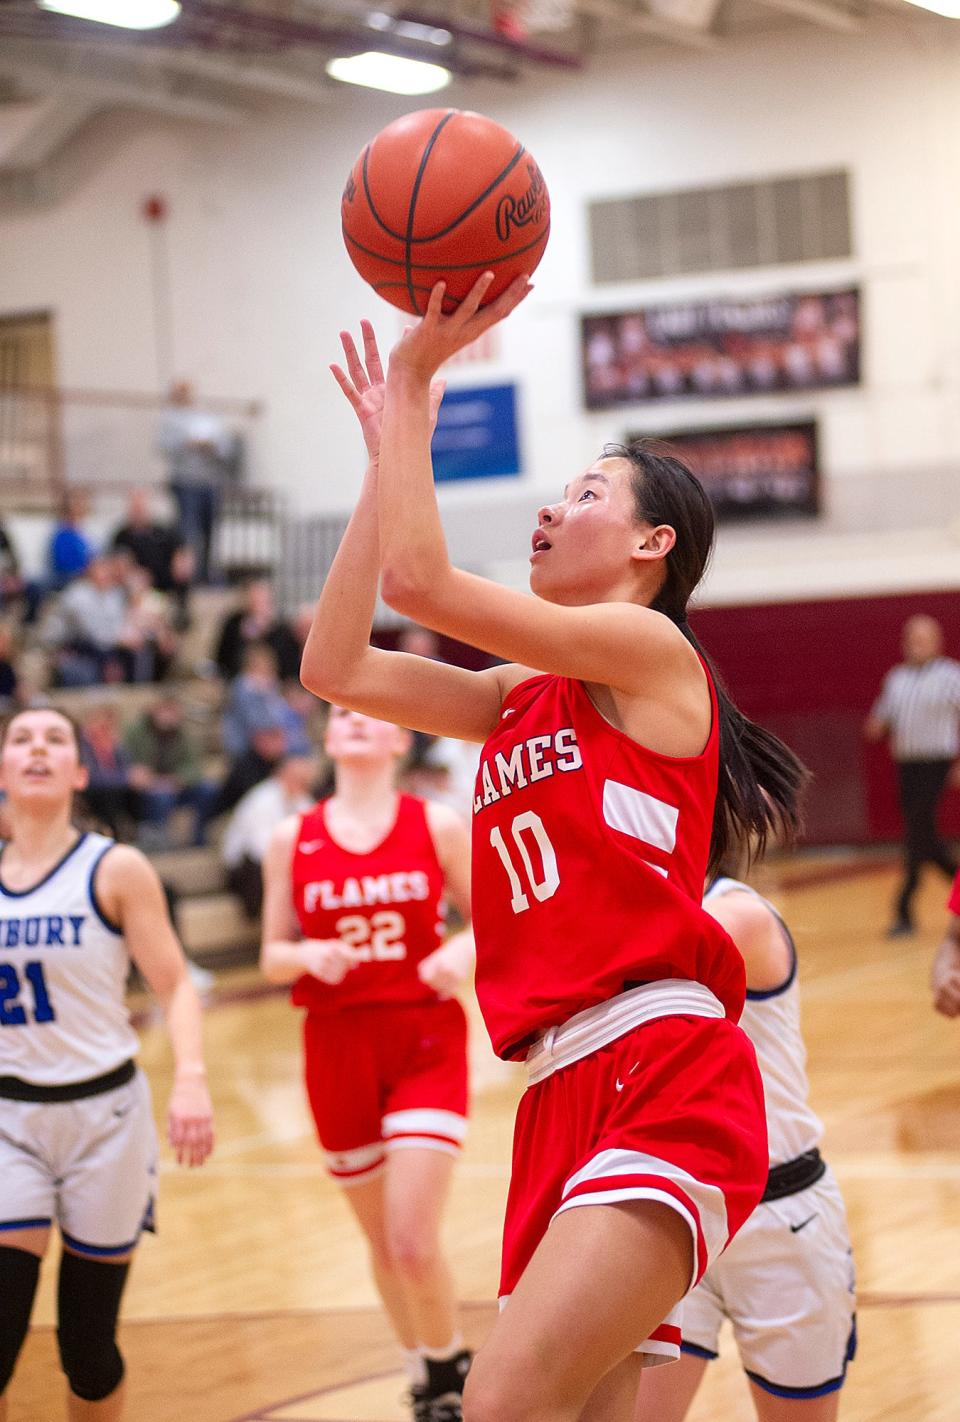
(613,771)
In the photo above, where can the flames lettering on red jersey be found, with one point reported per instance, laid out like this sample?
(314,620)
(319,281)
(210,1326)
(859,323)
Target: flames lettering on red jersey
(403,887)
(387,905)
(526,762)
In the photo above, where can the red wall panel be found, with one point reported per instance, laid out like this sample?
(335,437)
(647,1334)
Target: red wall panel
(810,672)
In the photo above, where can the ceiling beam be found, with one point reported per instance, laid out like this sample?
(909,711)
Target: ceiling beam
(817,12)
(259,78)
(104,83)
(642,22)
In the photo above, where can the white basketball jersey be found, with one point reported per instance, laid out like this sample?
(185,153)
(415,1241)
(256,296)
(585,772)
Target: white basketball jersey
(63,975)
(771,1020)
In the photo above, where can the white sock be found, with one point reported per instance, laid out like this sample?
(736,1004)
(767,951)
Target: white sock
(414,1367)
(443,1355)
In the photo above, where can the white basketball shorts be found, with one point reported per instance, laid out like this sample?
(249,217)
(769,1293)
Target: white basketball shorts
(89,1166)
(786,1283)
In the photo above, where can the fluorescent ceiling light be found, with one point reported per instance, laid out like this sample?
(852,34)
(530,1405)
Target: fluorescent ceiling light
(375,70)
(130,14)
(949,8)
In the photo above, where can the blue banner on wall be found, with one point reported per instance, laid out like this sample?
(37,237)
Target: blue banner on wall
(476,434)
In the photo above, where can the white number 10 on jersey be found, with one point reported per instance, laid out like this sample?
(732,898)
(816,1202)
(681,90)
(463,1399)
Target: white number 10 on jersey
(543,885)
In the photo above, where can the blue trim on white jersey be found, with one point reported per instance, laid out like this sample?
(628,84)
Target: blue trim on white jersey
(738,886)
(98,1251)
(696,1351)
(92,891)
(25,1224)
(22,893)
(761,995)
(833,1385)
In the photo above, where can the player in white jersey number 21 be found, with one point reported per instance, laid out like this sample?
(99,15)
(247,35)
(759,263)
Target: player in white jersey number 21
(77,1141)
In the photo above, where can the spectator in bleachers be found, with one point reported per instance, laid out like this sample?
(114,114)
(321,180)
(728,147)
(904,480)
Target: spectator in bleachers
(159,548)
(9,681)
(111,797)
(70,551)
(86,627)
(255,695)
(198,448)
(419,641)
(446,773)
(167,768)
(148,634)
(257,622)
(247,837)
(300,710)
(16,590)
(268,746)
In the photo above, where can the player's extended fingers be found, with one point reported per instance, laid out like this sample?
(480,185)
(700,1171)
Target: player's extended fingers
(471,303)
(435,305)
(518,290)
(193,1139)
(354,364)
(347,386)
(371,353)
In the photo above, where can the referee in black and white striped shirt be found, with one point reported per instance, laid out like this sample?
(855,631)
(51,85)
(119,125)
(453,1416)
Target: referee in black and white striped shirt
(919,708)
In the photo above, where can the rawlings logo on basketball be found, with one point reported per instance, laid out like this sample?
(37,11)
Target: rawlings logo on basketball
(519,211)
(350,191)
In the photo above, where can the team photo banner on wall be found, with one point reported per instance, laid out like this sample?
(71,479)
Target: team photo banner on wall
(755,471)
(709,349)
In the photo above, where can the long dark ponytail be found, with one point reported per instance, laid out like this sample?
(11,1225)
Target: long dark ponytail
(761,780)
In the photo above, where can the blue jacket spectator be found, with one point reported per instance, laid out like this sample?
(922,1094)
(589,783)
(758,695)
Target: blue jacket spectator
(70,550)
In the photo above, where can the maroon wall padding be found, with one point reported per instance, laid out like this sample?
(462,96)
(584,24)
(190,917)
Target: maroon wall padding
(810,671)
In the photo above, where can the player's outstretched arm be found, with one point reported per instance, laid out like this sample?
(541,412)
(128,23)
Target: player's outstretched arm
(618,644)
(339,663)
(131,896)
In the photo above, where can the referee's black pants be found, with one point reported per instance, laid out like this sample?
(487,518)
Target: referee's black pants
(921,786)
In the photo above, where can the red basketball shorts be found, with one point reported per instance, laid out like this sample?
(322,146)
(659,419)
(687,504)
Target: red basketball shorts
(384,1078)
(671,1111)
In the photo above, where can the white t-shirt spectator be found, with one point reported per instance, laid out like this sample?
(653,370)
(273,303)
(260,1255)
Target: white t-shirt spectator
(251,826)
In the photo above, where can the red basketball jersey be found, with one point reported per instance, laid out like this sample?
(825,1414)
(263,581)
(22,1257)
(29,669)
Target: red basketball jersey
(387,904)
(589,854)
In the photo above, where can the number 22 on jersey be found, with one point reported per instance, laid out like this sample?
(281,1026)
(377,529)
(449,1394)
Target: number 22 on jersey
(378,939)
(542,885)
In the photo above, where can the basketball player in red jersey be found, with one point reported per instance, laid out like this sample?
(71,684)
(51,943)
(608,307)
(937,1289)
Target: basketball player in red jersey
(353,916)
(613,772)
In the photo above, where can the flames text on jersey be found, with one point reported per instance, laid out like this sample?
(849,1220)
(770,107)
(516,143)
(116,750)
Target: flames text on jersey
(369,889)
(528,761)
(49,930)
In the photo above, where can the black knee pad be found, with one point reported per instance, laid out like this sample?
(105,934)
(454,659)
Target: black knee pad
(19,1272)
(88,1303)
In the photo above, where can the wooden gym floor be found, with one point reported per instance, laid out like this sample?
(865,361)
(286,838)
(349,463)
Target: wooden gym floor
(253,1304)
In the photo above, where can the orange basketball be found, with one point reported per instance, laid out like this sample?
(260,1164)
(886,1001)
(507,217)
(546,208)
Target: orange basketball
(443,195)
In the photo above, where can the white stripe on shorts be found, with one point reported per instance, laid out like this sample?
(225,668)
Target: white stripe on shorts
(355,1165)
(425,1121)
(707,1200)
